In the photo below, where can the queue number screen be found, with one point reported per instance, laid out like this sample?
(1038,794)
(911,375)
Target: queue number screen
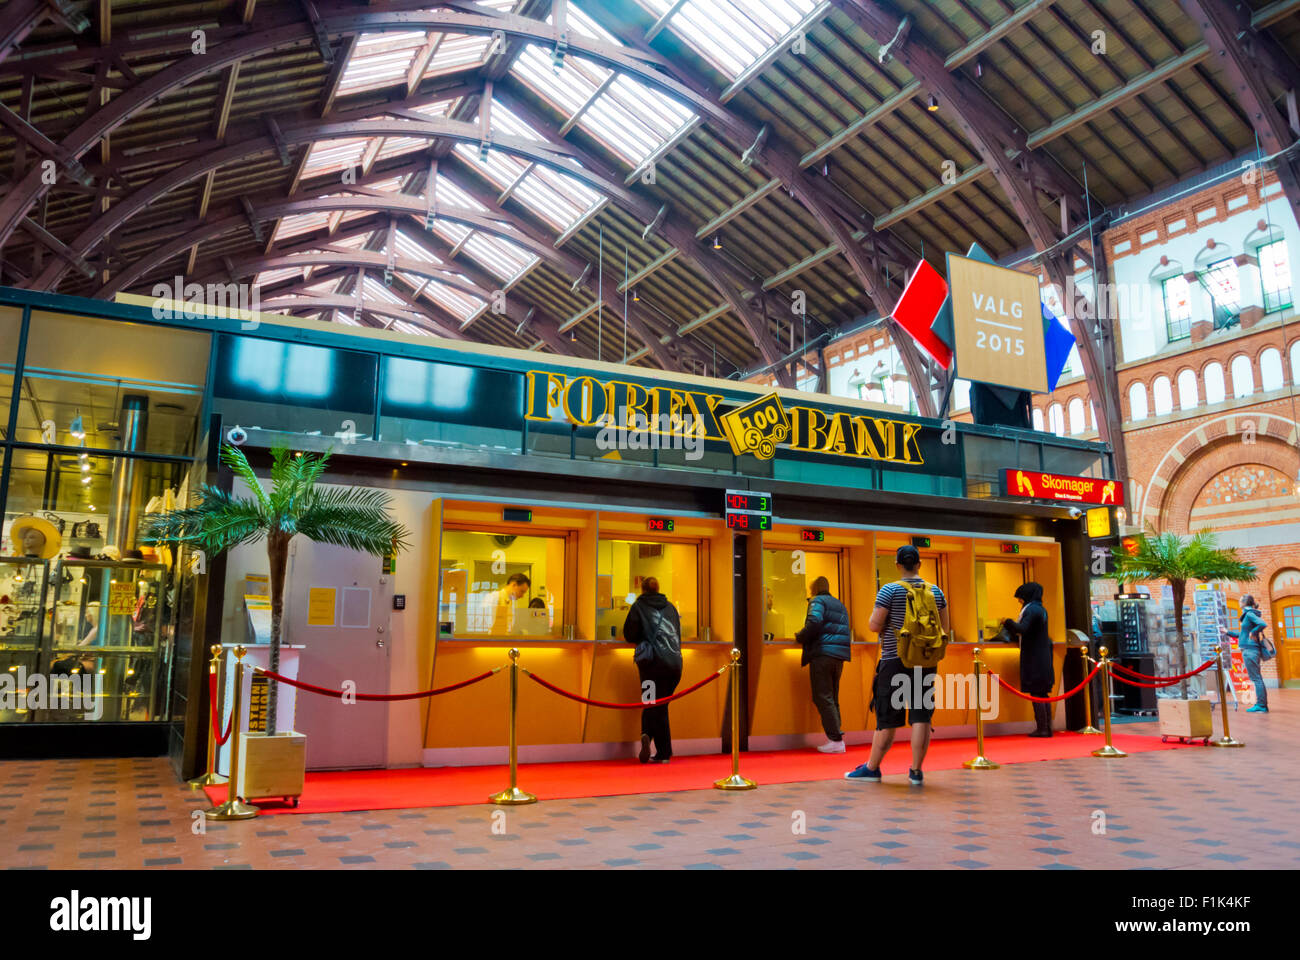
(759,502)
(749,521)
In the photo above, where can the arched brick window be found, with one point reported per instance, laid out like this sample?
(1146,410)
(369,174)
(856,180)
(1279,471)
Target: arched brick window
(1162,395)
(1056,420)
(1188,392)
(1270,370)
(1243,376)
(1076,416)
(1214,388)
(1137,401)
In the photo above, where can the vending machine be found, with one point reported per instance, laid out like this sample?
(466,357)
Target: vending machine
(1134,651)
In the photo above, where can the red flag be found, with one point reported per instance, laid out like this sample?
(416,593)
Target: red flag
(918,306)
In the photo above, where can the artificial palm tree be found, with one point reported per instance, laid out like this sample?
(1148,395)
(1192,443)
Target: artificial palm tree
(1167,556)
(344,516)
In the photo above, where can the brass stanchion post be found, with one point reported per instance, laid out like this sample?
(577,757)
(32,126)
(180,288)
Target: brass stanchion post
(212,778)
(1088,728)
(735,781)
(234,808)
(1226,740)
(1108,750)
(513,796)
(979,762)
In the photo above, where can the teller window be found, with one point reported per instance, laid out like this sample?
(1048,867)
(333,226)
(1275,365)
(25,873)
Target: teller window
(622,567)
(995,587)
(788,576)
(934,569)
(501,585)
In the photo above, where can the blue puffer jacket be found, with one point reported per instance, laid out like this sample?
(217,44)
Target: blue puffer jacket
(826,631)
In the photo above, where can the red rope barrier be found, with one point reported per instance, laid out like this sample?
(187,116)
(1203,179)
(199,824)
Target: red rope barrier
(1182,676)
(216,717)
(1064,696)
(1162,683)
(625,706)
(326,692)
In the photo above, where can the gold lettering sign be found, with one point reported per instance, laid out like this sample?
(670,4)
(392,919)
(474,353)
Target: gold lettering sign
(755,428)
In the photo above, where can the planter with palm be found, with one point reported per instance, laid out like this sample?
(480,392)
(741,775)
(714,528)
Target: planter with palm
(1168,556)
(296,504)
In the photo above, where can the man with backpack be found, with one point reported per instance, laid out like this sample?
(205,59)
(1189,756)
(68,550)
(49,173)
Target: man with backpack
(654,625)
(911,617)
(825,639)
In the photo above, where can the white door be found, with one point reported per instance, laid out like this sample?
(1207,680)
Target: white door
(338,607)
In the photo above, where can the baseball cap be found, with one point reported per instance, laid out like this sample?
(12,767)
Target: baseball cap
(908,556)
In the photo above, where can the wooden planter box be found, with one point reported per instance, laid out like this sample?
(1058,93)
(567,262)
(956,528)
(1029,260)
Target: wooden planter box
(1186,719)
(272,765)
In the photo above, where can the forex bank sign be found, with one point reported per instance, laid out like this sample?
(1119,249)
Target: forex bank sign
(758,427)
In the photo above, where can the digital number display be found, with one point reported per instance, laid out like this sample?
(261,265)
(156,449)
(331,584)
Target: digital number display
(749,521)
(659,524)
(745,500)
(921,543)
(514,515)
(812,536)
(1010,548)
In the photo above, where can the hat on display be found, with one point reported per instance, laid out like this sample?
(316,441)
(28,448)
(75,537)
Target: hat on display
(132,555)
(80,553)
(53,540)
(111,553)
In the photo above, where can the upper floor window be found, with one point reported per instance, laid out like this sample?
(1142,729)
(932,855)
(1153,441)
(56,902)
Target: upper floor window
(1243,377)
(1137,401)
(1224,284)
(1038,417)
(1056,420)
(1275,275)
(1188,393)
(1178,308)
(1214,387)
(1270,369)
(1076,416)
(1163,396)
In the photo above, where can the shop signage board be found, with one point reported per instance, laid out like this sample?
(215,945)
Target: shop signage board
(320,606)
(121,598)
(762,428)
(1098,523)
(997,320)
(1032,485)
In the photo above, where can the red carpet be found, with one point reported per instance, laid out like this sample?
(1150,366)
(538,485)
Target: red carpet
(337,791)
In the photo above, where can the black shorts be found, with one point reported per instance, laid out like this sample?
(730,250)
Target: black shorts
(897,702)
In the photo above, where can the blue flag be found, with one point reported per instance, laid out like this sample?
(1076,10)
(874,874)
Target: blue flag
(1058,341)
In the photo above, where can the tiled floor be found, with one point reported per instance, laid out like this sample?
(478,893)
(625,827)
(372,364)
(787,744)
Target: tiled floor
(1209,808)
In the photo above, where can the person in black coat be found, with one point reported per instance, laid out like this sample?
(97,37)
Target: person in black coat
(654,625)
(826,640)
(1037,675)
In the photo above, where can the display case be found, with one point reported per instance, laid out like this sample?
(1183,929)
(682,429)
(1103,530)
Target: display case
(107,618)
(23,585)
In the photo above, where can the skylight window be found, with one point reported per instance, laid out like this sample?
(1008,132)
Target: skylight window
(732,34)
(453,301)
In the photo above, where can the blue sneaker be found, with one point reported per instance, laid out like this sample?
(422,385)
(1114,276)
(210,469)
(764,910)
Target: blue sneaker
(915,777)
(1257,709)
(863,773)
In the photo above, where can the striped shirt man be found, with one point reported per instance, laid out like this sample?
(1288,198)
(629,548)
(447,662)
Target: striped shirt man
(893,597)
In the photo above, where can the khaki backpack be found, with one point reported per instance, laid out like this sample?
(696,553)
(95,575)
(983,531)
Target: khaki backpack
(921,640)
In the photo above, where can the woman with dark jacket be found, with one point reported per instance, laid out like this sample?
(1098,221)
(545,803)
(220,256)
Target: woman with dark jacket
(1037,675)
(826,642)
(654,625)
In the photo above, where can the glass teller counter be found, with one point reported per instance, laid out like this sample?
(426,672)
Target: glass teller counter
(558,583)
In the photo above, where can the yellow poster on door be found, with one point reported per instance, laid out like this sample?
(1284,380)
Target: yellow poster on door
(121,599)
(320,607)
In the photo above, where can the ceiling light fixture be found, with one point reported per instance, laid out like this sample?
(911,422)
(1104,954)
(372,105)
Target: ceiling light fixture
(717,243)
(934,103)
(636,297)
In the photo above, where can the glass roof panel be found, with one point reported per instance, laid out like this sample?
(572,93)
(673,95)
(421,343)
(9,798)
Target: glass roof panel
(732,34)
